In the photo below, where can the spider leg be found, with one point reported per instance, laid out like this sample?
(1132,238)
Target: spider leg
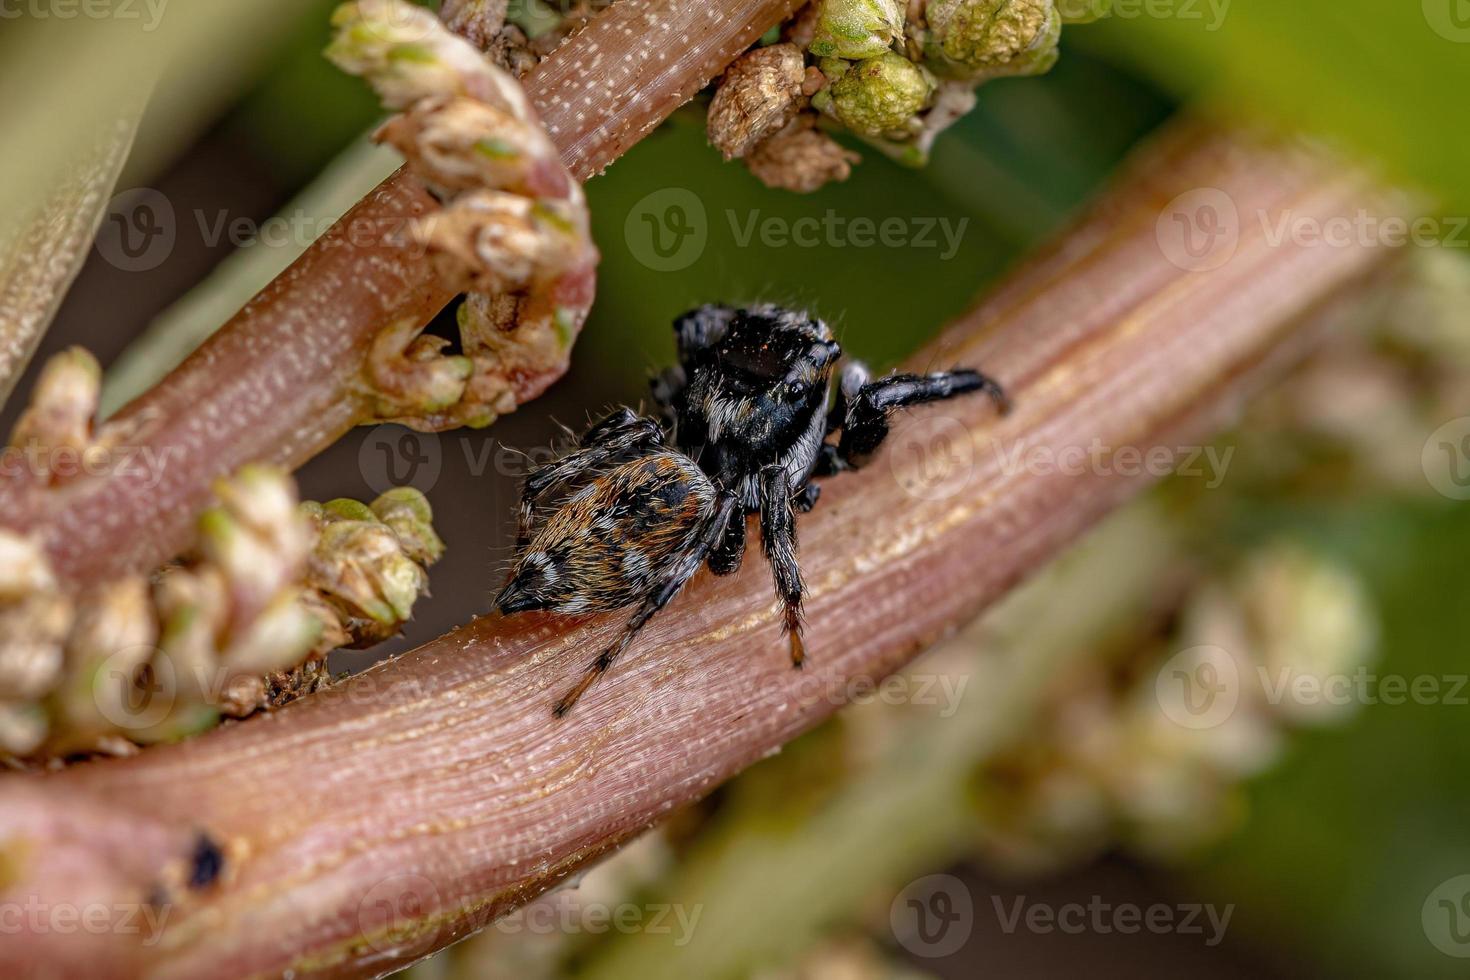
(667,586)
(850,382)
(730,552)
(807,497)
(702,328)
(778,538)
(666,387)
(619,433)
(865,423)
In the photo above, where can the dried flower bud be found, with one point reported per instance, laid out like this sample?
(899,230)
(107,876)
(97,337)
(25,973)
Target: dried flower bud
(23,567)
(280,637)
(801,158)
(364,570)
(1311,617)
(879,97)
(193,607)
(498,242)
(855,29)
(255,537)
(32,632)
(407,55)
(244,696)
(457,144)
(760,93)
(113,638)
(978,39)
(408,383)
(22,728)
(63,404)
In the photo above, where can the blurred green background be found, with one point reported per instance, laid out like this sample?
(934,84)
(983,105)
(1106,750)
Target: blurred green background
(1335,850)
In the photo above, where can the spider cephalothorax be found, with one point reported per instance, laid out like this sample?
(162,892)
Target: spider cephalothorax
(627,518)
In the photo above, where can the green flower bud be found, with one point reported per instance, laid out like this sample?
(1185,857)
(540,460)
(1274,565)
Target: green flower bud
(856,29)
(978,39)
(876,97)
(279,638)
(408,513)
(405,52)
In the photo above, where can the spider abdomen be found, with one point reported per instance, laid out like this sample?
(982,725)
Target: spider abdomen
(605,547)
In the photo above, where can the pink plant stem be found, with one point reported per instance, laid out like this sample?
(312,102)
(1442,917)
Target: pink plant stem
(282,379)
(411,805)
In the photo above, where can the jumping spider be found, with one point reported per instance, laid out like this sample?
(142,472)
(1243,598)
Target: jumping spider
(627,517)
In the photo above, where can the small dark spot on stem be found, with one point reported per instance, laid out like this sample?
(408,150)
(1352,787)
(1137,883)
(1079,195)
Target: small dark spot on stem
(206,863)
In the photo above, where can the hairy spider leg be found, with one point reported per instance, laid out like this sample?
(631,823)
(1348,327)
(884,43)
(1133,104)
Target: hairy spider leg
(778,539)
(702,328)
(864,408)
(674,579)
(730,552)
(620,433)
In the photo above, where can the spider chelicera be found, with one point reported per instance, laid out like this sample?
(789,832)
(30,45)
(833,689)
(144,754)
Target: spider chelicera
(629,515)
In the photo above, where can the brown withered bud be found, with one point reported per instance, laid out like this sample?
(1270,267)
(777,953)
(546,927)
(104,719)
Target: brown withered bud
(801,158)
(760,93)
(512,51)
(477,21)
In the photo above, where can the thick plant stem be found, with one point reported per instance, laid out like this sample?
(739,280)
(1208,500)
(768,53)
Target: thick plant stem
(366,827)
(283,378)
